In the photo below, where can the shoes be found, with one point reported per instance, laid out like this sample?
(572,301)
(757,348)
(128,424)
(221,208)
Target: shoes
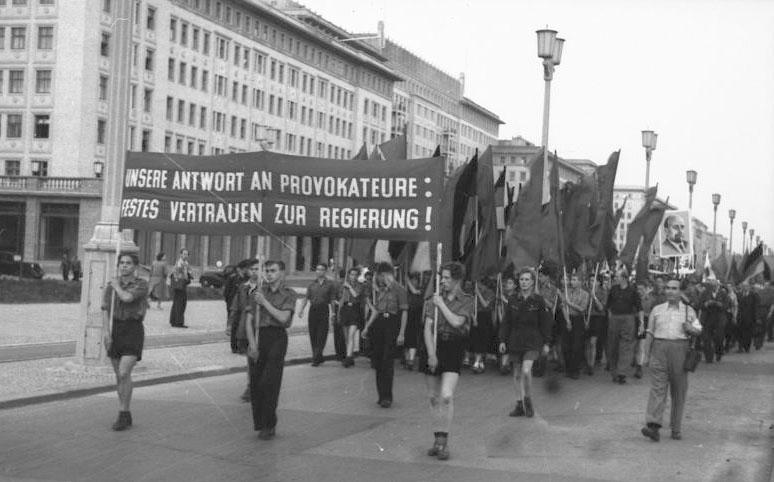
(443,452)
(638,372)
(505,369)
(123,421)
(619,379)
(528,410)
(316,363)
(478,367)
(518,411)
(677,436)
(348,362)
(246,395)
(589,370)
(385,403)
(718,356)
(266,434)
(651,431)
(439,448)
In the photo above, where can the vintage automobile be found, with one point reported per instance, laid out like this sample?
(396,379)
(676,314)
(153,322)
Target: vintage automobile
(10,267)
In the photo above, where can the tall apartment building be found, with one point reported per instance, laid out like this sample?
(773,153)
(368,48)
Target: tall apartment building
(208,77)
(517,154)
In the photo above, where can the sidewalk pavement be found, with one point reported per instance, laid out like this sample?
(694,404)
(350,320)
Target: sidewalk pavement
(331,429)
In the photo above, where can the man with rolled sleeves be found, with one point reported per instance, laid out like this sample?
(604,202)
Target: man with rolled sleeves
(125,298)
(666,343)
(320,295)
(385,327)
(271,312)
(623,306)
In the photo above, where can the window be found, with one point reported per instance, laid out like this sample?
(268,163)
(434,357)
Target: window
(235,91)
(45,38)
(12,167)
(101,130)
(133,96)
(181,111)
(103,87)
(42,81)
(147,100)
(195,38)
(18,38)
(106,6)
(150,19)
(167,142)
(242,128)
(194,72)
(39,168)
(42,126)
(15,81)
(203,118)
(281,74)
(184,34)
(19,3)
(104,45)
(170,107)
(237,54)
(279,106)
(2,38)
(149,59)
(233,125)
(192,114)
(171,70)
(260,63)
(181,73)
(206,43)
(273,70)
(205,79)
(146,139)
(244,94)
(222,46)
(173,29)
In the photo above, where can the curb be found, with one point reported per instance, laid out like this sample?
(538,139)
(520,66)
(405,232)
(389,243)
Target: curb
(178,377)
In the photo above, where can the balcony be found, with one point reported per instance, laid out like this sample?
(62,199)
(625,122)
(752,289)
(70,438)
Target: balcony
(51,186)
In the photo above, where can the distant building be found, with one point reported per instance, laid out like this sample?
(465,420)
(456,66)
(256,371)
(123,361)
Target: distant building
(635,200)
(516,155)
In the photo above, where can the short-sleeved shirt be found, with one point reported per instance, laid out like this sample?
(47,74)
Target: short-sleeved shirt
(666,321)
(283,299)
(624,301)
(578,297)
(601,294)
(346,297)
(391,299)
(321,293)
(128,311)
(462,305)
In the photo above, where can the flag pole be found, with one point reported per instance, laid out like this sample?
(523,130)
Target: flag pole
(113,296)
(437,291)
(593,289)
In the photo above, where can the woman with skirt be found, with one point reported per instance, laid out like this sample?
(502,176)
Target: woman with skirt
(351,312)
(158,280)
(180,279)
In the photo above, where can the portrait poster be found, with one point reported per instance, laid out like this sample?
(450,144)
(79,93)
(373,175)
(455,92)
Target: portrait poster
(675,235)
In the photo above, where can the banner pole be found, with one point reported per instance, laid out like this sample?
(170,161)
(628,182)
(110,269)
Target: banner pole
(438,258)
(593,289)
(113,295)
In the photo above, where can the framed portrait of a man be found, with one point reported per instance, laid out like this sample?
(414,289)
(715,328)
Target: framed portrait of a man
(675,235)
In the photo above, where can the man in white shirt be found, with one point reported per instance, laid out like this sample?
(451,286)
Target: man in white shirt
(669,326)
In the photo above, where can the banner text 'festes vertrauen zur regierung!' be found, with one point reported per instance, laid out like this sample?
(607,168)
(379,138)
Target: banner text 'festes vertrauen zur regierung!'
(270,193)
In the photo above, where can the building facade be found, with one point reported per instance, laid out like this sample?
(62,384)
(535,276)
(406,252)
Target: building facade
(516,156)
(208,77)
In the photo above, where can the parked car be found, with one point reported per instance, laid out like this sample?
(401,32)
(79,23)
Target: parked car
(216,279)
(11,268)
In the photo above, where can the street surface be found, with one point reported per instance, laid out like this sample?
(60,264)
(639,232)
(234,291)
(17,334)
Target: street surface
(331,429)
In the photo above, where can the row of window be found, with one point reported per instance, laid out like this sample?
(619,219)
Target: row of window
(17,37)
(15,81)
(23,3)
(14,123)
(38,167)
(377,110)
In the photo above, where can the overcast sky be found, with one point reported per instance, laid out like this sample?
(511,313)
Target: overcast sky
(699,73)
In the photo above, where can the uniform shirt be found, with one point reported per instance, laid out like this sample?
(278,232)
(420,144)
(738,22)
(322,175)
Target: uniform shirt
(346,296)
(624,301)
(283,299)
(391,299)
(601,294)
(666,321)
(133,310)
(462,305)
(578,297)
(321,293)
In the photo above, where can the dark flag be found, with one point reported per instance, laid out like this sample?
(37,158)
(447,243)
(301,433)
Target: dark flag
(603,222)
(552,244)
(395,148)
(451,219)
(636,229)
(463,212)
(753,265)
(361,250)
(733,271)
(362,154)
(486,260)
(720,266)
(376,154)
(577,218)
(649,229)
(437,152)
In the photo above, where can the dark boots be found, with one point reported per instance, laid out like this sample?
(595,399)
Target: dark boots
(440,446)
(123,421)
(519,410)
(651,431)
(523,408)
(528,410)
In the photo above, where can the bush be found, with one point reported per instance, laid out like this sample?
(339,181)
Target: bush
(13,290)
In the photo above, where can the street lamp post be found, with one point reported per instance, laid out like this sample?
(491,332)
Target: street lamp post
(690,176)
(757,240)
(715,202)
(550,50)
(750,246)
(649,143)
(731,216)
(744,235)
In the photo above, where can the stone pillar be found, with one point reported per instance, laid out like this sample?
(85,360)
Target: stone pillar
(227,251)
(341,253)
(307,250)
(31,229)
(100,252)
(205,247)
(292,243)
(324,248)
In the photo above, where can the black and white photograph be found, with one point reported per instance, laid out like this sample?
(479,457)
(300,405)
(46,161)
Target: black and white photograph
(386,240)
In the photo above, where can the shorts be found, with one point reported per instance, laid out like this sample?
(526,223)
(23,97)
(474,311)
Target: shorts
(450,352)
(596,325)
(128,338)
(351,314)
(522,355)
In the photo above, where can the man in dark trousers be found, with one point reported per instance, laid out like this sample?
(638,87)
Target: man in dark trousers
(125,299)
(238,313)
(268,317)
(385,328)
(749,301)
(714,305)
(625,318)
(320,296)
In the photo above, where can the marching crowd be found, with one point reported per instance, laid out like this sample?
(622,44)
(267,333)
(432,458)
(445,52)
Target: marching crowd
(526,323)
